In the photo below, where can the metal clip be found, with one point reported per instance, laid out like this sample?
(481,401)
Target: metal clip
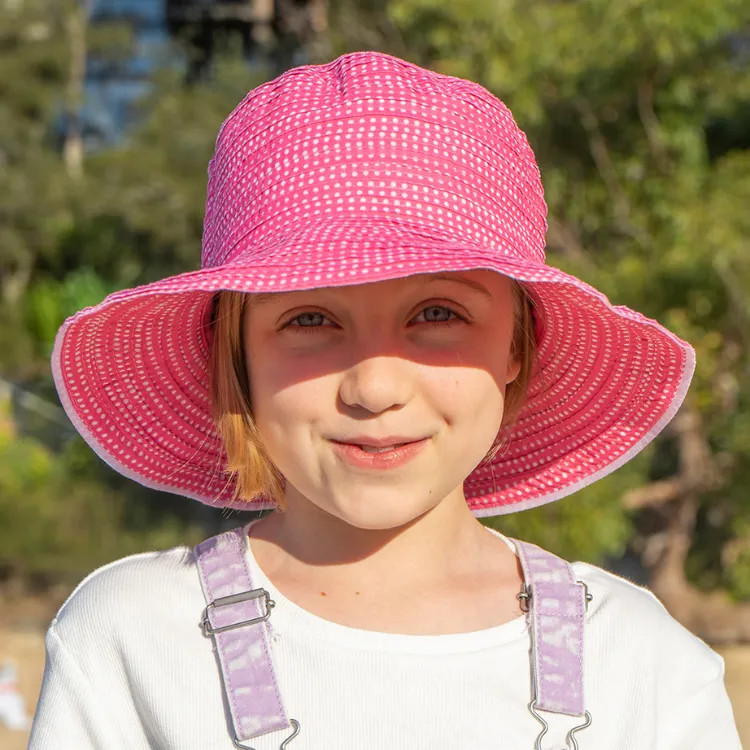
(524,597)
(284,744)
(588,597)
(570,741)
(225,601)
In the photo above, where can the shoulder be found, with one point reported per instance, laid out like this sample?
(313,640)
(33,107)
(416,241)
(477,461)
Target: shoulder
(135,596)
(120,650)
(612,594)
(632,620)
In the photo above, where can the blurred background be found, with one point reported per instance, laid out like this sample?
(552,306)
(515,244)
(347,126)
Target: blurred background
(639,112)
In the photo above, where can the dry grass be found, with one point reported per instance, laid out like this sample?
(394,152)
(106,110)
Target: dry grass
(26,649)
(738,686)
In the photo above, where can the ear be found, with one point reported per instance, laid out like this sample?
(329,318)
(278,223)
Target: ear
(513,369)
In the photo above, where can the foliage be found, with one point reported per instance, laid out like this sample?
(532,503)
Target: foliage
(144,206)
(58,520)
(32,75)
(589,527)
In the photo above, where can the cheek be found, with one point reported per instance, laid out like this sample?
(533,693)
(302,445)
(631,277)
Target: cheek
(476,377)
(466,395)
(285,405)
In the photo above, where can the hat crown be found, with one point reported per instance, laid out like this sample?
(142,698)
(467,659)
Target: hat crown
(368,140)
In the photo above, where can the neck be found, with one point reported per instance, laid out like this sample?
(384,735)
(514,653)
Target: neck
(430,546)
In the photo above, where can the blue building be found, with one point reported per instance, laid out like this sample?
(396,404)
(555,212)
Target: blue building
(111,89)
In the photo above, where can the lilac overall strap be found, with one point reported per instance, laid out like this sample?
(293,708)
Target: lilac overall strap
(556,604)
(235,617)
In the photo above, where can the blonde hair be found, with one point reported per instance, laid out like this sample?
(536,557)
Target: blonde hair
(232,405)
(231,399)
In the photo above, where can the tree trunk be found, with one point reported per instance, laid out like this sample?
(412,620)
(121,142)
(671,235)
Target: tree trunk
(711,616)
(77,22)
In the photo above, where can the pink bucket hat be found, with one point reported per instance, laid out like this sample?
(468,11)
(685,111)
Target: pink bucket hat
(364,169)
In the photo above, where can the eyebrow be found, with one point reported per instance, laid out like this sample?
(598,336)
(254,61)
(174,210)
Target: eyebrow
(260,298)
(459,280)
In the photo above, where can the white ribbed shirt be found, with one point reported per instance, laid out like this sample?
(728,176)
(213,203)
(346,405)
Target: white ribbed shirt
(129,669)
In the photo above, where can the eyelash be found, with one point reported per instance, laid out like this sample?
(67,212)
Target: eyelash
(456,317)
(310,329)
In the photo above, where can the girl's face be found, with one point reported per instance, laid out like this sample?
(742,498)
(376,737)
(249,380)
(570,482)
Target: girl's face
(376,401)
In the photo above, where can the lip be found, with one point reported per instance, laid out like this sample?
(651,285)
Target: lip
(382,442)
(405,451)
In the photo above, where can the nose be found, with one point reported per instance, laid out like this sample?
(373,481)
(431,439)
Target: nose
(377,384)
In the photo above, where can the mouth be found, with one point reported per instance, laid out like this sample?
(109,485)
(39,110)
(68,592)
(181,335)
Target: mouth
(379,445)
(383,453)
(381,449)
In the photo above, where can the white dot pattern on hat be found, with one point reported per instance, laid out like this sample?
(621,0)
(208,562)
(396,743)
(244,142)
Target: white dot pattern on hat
(364,169)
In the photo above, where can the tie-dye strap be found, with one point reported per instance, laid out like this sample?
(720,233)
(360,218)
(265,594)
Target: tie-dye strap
(235,617)
(556,605)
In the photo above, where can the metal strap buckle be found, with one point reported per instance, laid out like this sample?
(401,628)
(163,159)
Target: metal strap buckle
(571,742)
(524,597)
(284,744)
(224,601)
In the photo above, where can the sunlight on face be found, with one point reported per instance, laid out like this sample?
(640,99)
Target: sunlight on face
(376,401)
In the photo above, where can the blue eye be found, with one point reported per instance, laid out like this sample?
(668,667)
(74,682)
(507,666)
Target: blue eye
(436,314)
(308,320)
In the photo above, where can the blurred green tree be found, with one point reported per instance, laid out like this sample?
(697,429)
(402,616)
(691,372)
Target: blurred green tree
(32,75)
(43,50)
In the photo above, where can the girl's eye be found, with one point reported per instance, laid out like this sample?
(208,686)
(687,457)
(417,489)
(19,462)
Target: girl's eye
(309,320)
(435,314)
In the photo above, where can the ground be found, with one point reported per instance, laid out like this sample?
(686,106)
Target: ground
(26,648)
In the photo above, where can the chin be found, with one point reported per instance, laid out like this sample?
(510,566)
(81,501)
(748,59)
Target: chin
(379,510)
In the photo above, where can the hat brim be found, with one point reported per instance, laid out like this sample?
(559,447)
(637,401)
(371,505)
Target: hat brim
(132,373)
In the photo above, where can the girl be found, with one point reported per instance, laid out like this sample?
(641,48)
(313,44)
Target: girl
(375,348)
